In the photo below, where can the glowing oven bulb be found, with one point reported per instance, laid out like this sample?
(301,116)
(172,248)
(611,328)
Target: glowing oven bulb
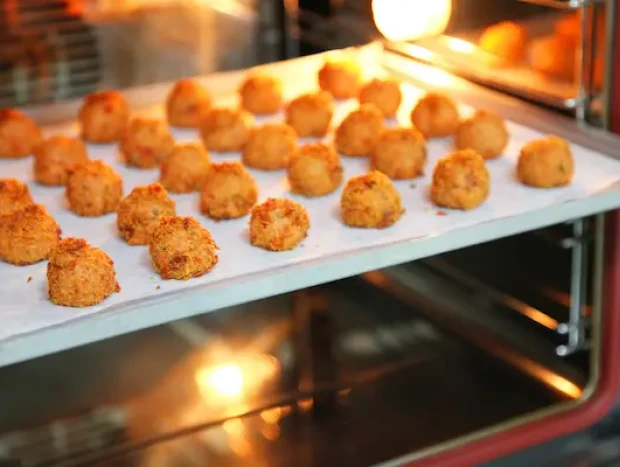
(401,20)
(226,381)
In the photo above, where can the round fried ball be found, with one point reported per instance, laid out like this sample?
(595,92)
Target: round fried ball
(185,168)
(79,275)
(270,146)
(146,143)
(27,235)
(139,213)
(485,132)
(228,192)
(385,94)
(225,130)
(546,163)
(187,102)
(370,201)
(400,153)
(103,117)
(181,248)
(278,224)
(340,77)
(554,56)
(261,94)
(435,115)
(359,132)
(13,195)
(19,134)
(310,114)
(506,39)
(460,181)
(93,189)
(315,170)
(55,157)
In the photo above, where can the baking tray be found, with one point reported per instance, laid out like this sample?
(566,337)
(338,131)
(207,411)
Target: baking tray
(33,326)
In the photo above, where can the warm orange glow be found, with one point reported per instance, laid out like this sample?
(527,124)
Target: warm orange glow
(459,45)
(400,20)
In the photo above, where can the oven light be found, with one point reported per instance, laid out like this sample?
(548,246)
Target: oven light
(402,20)
(459,45)
(225,380)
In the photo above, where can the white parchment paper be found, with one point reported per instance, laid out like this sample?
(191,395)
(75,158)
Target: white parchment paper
(24,307)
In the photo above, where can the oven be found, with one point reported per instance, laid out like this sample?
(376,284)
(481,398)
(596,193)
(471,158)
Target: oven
(492,348)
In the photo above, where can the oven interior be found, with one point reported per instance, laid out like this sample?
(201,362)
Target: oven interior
(355,372)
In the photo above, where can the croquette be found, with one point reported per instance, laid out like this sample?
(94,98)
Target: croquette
(270,146)
(546,163)
(225,130)
(359,132)
(185,168)
(27,235)
(19,134)
(460,181)
(181,248)
(400,153)
(186,103)
(79,275)
(261,94)
(93,189)
(139,213)
(553,56)
(435,115)
(228,192)
(55,157)
(103,117)
(370,201)
(341,77)
(13,195)
(146,142)
(506,40)
(385,94)
(315,170)
(278,224)
(485,132)
(310,114)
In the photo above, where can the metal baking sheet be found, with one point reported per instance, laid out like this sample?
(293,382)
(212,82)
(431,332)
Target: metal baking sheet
(31,325)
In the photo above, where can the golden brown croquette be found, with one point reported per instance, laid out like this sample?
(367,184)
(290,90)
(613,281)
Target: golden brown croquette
(261,94)
(385,94)
(185,168)
(359,132)
(19,134)
(546,163)
(370,201)
(93,189)
(27,235)
(186,103)
(460,181)
(55,157)
(341,77)
(310,114)
(13,195)
(278,224)
(435,115)
(225,130)
(228,192)
(485,132)
(181,248)
(103,117)
(79,275)
(400,153)
(140,212)
(315,170)
(146,142)
(270,146)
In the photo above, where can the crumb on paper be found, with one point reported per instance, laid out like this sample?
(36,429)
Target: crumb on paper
(412,185)
(158,287)
(29,279)
(151,278)
(442,213)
